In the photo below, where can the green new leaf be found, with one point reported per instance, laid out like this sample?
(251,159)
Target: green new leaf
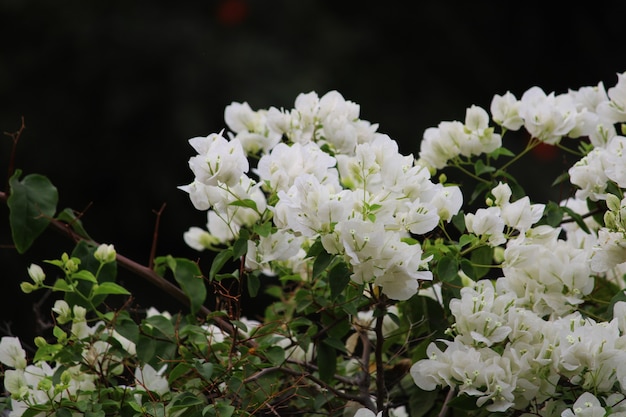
(480,168)
(84,275)
(110,288)
(251,204)
(32,204)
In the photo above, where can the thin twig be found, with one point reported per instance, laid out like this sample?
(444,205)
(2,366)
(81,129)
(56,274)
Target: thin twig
(15,137)
(155,236)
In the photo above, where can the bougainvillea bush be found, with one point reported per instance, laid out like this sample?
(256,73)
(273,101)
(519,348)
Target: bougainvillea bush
(422,285)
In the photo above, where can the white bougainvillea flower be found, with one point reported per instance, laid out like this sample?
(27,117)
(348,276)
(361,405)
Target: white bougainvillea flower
(615,109)
(218,160)
(487,222)
(547,117)
(609,250)
(11,352)
(35,272)
(152,380)
(366,412)
(505,111)
(587,405)
(284,164)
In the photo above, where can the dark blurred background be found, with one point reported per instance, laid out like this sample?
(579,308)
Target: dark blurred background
(111,91)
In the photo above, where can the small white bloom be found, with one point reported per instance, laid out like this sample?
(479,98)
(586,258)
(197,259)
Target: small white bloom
(64,313)
(36,274)
(105,253)
(11,352)
(151,380)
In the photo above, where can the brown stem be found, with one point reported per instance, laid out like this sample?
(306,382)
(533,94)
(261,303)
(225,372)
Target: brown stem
(155,236)
(381,390)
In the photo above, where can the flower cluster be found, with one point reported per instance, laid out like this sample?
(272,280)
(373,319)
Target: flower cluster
(394,293)
(322,173)
(517,339)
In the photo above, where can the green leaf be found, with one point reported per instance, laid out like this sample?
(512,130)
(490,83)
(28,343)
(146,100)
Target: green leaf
(326,361)
(32,204)
(577,218)
(185,400)
(321,262)
(553,214)
(338,279)
(480,168)
(447,268)
(110,288)
(240,247)
(219,261)
(63,412)
(264,229)
(85,276)
(251,204)
(205,369)
(481,258)
(61,285)
(276,355)
(189,277)
(254,284)
(161,323)
(68,216)
(178,371)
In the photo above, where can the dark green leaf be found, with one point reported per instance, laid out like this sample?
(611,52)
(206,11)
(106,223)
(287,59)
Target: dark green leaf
(32,204)
(188,275)
(276,355)
(447,268)
(178,371)
(480,168)
(338,279)
(63,412)
(204,369)
(553,214)
(219,261)
(326,361)
(322,261)
(577,218)
(481,259)
(162,323)
(254,284)
(315,249)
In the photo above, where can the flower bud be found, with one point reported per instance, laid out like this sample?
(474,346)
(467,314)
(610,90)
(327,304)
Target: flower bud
(27,287)
(40,342)
(36,274)
(105,253)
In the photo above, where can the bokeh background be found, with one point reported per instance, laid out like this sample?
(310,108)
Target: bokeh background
(111,91)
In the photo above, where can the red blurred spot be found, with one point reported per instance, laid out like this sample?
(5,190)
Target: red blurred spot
(545,152)
(232,12)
